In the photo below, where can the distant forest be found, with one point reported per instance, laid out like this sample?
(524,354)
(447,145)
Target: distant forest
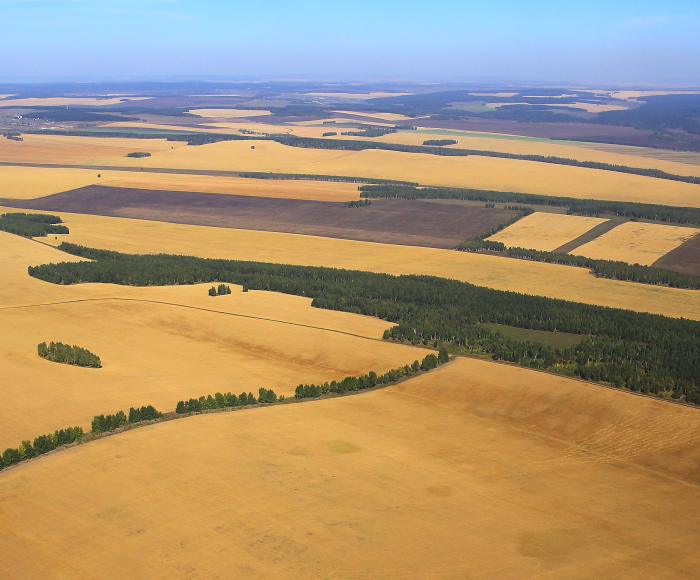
(640,351)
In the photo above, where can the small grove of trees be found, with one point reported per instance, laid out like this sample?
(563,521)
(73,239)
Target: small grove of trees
(104,423)
(67,354)
(330,134)
(220,290)
(439,142)
(42,444)
(226,401)
(31,225)
(138,154)
(358,203)
(371,379)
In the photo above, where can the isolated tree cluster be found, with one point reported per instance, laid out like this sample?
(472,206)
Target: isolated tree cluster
(67,354)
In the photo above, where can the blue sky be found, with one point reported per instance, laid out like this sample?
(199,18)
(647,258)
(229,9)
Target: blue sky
(642,42)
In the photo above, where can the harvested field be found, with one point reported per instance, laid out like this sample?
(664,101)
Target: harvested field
(636,243)
(670,162)
(394,221)
(442,476)
(538,278)
(62,149)
(685,258)
(545,231)
(473,171)
(229,113)
(160,345)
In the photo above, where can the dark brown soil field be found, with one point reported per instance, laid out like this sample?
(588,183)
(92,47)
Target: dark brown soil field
(392,221)
(684,259)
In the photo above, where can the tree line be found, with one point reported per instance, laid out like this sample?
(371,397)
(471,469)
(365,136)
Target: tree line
(104,423)
(371,379)
(439,142)
(312,177)
(67,354)
(587,207)
(226,401)
(31,225)
(646,351)
(42,444)
(220,290)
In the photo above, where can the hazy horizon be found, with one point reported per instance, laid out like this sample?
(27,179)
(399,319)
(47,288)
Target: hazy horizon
(624,43)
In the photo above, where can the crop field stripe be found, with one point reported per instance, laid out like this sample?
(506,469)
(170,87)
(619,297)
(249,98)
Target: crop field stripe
(590,235)
(191,308)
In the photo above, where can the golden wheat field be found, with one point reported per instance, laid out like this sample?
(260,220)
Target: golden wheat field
(288,189)
(473,171)
(538,278)
(475,470)
(629,156)
(373,115)
(636,242)
(62,149)
(545,231)
(160,345)
(228,113)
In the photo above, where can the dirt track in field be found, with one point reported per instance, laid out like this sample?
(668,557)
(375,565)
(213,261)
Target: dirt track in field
(393,221)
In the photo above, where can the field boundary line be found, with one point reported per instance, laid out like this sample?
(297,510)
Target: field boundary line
(192,308)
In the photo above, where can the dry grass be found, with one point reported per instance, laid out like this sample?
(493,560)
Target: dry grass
(62,101)
(159,353)
(538,278)
(545,231)
(636,243)
(228,113)
(472,171)
(437,478)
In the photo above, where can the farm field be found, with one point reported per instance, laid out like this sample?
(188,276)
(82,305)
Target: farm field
(443,476)
(545,231)
(374,115)
(538,278)
(632,156)
(685,258)
(473,171)
(396,221)
(229,113)
(62,149)
(636,243)
(162,344)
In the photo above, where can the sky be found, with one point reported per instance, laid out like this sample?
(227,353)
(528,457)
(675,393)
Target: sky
(623,42)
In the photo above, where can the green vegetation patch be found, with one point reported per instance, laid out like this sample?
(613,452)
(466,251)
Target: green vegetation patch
(42,444)
(138,154)
(640,351)
(67,354)
(31,225)
(439,142)
(555,339)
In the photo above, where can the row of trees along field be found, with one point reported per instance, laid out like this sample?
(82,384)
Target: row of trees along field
(601,268)
(371,379)
(104,423)
(31,225)
(67,354)
(226,401)
(42,444)
(641,351)
(586,207)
